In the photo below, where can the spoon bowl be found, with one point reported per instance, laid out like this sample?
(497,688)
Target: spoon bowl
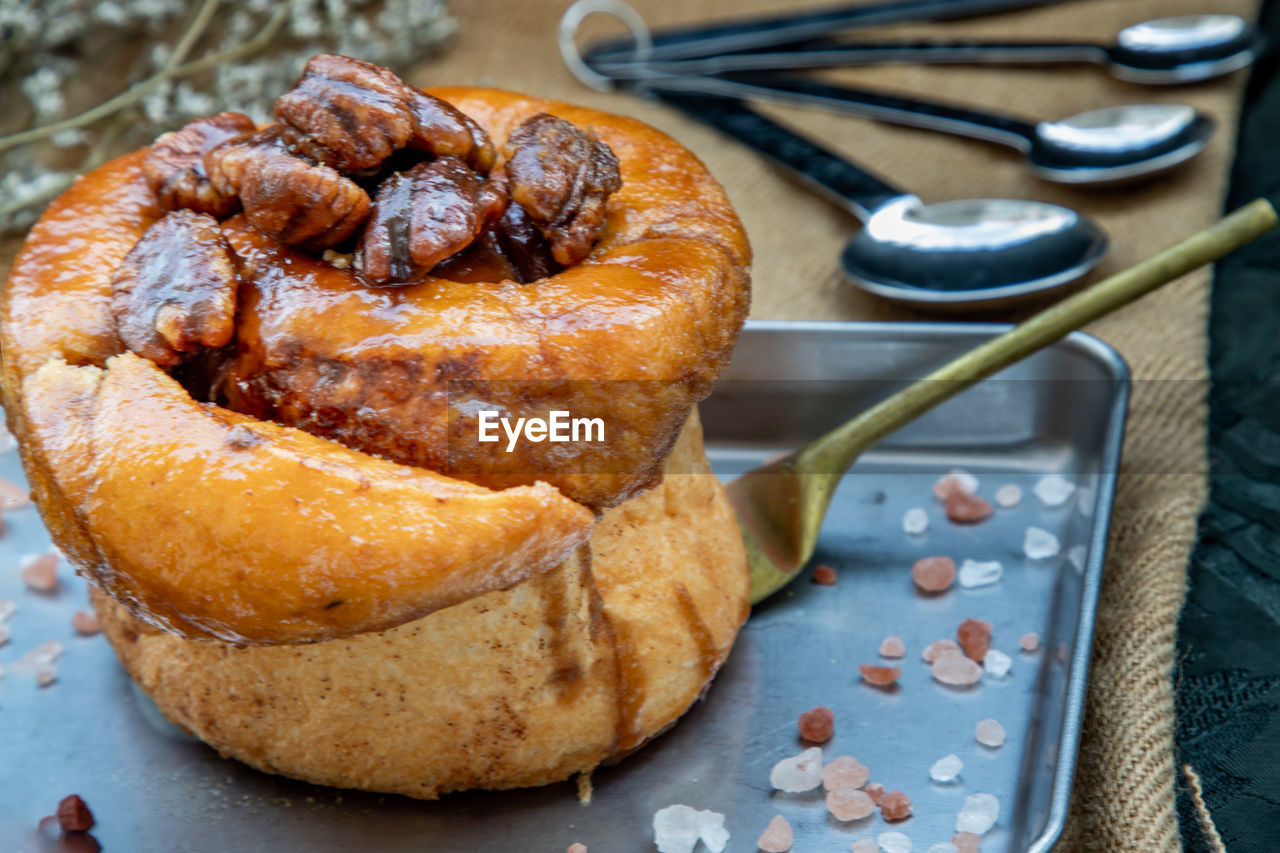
(1116,144)
(1183,49)
(971,252)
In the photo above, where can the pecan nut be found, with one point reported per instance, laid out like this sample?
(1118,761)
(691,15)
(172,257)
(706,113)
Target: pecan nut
(524,245)
(562,176)
(174,166)
(285,197)
(175,292)
(352,115)
(423,216)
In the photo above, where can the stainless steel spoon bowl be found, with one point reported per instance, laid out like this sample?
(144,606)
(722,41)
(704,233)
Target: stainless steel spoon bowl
(951,255)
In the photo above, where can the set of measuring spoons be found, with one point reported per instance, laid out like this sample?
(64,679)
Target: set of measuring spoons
(953,254)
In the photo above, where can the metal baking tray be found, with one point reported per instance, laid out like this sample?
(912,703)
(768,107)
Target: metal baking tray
(1061,411)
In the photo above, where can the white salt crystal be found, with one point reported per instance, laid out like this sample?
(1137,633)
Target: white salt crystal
(798,773)
(42,655)
(990,733)
(677,829)
(997,663)
(915,521)
(943,847)
(975,573)
(8,607)
(46,675)
(967,481)
(946,769)
(894,842)
(1086,498)
(1054,490)
(978,814)
(1008,496)
(1039,544)
(1076,556)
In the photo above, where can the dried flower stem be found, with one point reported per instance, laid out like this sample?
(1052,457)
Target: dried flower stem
(172,70)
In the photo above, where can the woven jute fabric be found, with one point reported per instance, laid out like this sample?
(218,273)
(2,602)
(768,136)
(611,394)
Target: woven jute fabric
(1124,794)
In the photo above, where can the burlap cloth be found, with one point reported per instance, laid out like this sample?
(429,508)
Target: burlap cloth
(1124,794)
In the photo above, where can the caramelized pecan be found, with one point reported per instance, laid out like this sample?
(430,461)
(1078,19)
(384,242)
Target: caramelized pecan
(352,115)
(175,292)
(285,197)
(524,245)
(562,177)
(174,166)
(423,216)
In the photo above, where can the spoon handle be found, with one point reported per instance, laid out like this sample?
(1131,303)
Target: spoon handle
(828,53)
(802,91)
(845,183)
(769,30)
(830,455)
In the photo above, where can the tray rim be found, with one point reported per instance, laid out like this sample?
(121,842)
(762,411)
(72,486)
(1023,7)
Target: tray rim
(1102,354)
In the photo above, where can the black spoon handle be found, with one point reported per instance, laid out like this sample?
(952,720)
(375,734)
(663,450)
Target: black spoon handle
(803,91)
(827,53)
(848,185)
(683,42)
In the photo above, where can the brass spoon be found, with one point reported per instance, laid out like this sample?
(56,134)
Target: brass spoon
(781,505)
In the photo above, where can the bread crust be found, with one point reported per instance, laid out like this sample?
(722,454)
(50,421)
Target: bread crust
(620,639)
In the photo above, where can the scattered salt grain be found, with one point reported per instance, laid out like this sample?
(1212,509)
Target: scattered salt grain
(844,772)
(43,654)
(798,773)
(85,622)
(1040,544)
(864,845)
(974,636)
(934,574)
(915,521)
(880,676)
(576,847)
(989,733)
(943,847)
(966,842)
(946,769)
(875,791)
(894,842)
(1054,490)
(817,724)
(956,669)
(974,573)
(8,607)
(895,806)
(678,828)
(936,649)
(967,509)
(1008,496)
(1029,641)
(850,804)
(1086,500)
(13,496)
(825,575)
(777,836)
(955,480)
(978,814)
(1077,555)
(4,634)
(997,663)
(46,675)
(40,571)
(892,647)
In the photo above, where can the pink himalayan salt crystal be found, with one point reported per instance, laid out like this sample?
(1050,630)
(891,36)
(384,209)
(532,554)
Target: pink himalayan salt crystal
(934,574)
(85,622)
(895,806)
(1029,641)
(989,733)
(967,509)
(892,647)
(937,648)
(850,804)
(974,636)
(41,572)
(817,724)
(1008,496)
(954,482)
(13,496)
(956,669)
(844,772)
(777,836)
(576,847)
(46,674)
(864,845)
(966,842)
(825,575)
(880,676)
(875,791)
